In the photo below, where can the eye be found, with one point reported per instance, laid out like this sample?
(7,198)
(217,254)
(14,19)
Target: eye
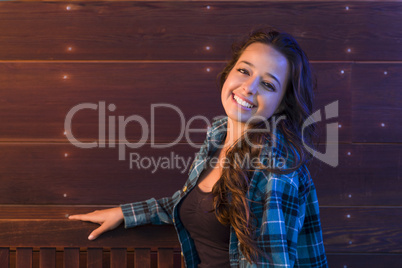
(269,86)
(243,71)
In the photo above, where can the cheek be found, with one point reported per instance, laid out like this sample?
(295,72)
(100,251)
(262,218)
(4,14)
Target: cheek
(270,105)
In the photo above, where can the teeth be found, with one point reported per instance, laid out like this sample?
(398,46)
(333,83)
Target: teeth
(242,102)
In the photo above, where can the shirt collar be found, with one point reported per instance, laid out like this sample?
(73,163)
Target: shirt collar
(217,133)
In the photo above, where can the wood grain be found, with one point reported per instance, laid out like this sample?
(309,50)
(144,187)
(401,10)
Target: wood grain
(23,257)
(97,177)
(345,230)
(118,257)
(47,258)
(165,258)
(368,260)
(71,258)
(377,103)
(94,257)
(182,30)
(4,257)
(367,175)
(362,229)
(142,257)
(36,109)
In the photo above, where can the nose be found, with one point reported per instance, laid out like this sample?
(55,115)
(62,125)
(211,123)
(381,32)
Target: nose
(250,86)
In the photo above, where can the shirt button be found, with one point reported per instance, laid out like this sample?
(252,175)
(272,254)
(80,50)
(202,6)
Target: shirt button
(184,188)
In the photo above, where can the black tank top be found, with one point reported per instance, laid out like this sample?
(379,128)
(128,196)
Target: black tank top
(211,238)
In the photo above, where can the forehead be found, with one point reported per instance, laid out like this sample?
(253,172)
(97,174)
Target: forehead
(266,59)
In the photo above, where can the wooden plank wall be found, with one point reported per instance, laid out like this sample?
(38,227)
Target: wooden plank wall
(132,54)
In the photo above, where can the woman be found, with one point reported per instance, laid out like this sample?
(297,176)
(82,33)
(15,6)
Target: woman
(249,200)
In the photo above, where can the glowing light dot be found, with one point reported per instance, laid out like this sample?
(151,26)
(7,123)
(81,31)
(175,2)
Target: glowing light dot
(69,48)
(385,72)
(349,50)
(342,71)
(65,132)
(339,125)
(68,7)
(207,48)
(349,153)
(347,8)
(112,107)
(350,196)
(64,195)
(348,216)
(382,124)
(65,155)
(208,7)
(65,77)
(350,242)
(208,70)
(345,266)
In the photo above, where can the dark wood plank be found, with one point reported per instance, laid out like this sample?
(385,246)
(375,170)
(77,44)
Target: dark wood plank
(142,258)
(366,175)
(118,257)
(165,258)
(98,172)
(44,212)
(356,181)
(74,234)
(364,260)
(71,257)
(110,30)
(333,84)
(34,111)
(23,257)
(43,115)
(47,258)
(377,103)
(94,259)
(345,229)
(4,257)
(362,229)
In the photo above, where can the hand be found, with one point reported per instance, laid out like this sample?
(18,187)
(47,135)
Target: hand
(107,218)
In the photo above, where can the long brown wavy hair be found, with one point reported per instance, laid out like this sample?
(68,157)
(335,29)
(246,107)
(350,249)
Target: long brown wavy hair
(230,202)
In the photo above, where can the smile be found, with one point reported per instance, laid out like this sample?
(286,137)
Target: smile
(242,102)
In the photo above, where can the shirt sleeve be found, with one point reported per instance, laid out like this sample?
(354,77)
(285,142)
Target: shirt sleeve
(151,211)
(290,232)
(280,223)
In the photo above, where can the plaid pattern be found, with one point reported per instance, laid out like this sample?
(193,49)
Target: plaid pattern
(285,206)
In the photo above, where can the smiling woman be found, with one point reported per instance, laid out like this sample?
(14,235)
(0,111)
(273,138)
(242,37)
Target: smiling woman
(240,214)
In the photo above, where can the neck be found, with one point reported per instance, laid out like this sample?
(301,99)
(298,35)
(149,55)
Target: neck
(234,131)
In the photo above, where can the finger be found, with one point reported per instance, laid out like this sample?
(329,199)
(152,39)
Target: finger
(97,232)
(82,217)
(85,217)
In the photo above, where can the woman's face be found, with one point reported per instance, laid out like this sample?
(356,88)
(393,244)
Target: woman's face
(256,85)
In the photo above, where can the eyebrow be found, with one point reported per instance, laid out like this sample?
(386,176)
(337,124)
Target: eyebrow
(269,74)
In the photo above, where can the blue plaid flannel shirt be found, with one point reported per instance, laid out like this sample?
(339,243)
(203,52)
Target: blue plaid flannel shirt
(286,208)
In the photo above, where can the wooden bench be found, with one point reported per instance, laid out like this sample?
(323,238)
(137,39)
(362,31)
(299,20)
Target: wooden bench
(47,243)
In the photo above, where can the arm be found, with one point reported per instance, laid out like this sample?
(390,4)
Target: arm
(150,211)
(134,214)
